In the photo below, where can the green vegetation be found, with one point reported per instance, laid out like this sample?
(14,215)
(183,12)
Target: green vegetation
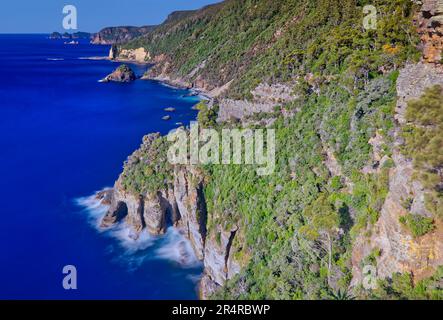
(402,286)
(297,226)
(371,259)
(252,41)
(147,169)
(124,68)
(424,144)
(207,117)
(418,225)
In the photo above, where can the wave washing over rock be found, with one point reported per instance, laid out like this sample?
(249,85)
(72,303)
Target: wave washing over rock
(172,246)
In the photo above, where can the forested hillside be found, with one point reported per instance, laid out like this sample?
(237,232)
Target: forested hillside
(345,139)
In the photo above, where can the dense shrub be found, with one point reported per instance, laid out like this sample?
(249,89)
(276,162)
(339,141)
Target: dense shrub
(424,144)
(418,225)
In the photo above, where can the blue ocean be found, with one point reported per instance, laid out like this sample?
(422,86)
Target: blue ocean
(64,136)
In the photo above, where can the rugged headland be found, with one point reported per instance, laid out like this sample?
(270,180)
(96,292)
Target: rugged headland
(118,35)
(359,168)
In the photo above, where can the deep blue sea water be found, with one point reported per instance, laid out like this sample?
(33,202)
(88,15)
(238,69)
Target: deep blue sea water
(63,136)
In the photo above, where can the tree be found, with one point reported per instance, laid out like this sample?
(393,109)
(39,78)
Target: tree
(322,225)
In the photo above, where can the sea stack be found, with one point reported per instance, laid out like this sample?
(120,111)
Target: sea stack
(113,52)
(122,74)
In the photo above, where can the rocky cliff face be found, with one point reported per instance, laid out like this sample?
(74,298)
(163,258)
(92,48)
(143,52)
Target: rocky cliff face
(219,261)
(183,204)
(139,55)
(183,201)
(400,251)
(430,22)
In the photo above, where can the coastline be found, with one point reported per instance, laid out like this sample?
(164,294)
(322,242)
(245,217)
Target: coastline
(78,123)
(138,62)
(173,83)
(180,84)
(194,242)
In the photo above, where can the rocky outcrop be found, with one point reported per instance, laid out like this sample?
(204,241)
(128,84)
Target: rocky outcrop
(219,261)
(122,74)
(125,205)
(154,214)
(188,192)
(430,28)
(273,94)
(118,35)
(235,109)
(399,250)
(113,52)
(265,98)
(181,203)
(139,55)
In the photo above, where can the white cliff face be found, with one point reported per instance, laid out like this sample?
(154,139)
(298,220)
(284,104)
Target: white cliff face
(139,55)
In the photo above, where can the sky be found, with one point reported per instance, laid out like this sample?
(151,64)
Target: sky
(45,16)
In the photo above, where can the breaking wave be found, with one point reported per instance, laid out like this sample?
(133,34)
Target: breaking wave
(172,246)
(175,247)
(93,58)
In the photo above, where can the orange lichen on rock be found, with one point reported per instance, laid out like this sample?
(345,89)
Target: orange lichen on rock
(430,28)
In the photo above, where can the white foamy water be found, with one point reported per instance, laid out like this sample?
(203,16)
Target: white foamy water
(172,246)
(167,85)
(95,209)
(94,58)
(55,59)
(127,239)
(175,247)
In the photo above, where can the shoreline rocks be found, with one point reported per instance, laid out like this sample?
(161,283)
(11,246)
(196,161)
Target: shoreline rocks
(122,74)
(182,202)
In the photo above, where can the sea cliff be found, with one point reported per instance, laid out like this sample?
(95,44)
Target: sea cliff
(347,192)
(179,201)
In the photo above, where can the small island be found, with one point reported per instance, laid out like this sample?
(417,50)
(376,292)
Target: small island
(69,36)
(122,74)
